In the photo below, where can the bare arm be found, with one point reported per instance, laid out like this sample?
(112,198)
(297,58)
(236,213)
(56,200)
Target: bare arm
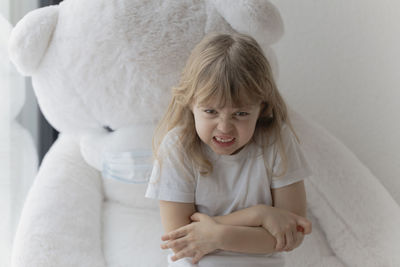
(232,232)
(251,216)
(291,198)
(175,215)
(208,234)
(244,239)
(205,235)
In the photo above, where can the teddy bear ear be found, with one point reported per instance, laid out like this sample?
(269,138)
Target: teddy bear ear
(29,39)
(259,18)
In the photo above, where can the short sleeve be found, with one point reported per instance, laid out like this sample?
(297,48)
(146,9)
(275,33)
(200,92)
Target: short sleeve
(297,166)
(172,178)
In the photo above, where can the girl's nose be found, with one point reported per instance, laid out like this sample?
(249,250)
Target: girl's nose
(224,125)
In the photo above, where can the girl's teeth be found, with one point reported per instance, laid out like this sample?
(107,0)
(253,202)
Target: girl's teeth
(223,140)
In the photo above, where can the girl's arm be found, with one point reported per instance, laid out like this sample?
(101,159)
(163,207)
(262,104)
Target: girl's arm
(290,199)
(244,239)
(175,214)
(205,235)
(293,199)
(251,216)
(191,234)
(233,232)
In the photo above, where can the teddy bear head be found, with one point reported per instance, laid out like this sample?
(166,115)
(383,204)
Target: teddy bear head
(100,64)
(107,64)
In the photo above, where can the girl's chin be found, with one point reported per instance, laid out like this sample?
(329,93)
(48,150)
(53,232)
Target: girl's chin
(225,151)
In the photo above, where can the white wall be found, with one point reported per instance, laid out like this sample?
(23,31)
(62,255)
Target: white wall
(339,65)
(5,8)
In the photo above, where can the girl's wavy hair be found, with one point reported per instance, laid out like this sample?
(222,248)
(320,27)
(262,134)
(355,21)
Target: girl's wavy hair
(232,69)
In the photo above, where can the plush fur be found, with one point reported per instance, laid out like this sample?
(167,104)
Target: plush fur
(97,64)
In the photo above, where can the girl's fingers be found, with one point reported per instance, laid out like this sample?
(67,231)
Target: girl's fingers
(300,229)
(305,224)
(182,254)
(289,241)
(196,217)
(197,257)
(299,238)
(294,235)
(280,242)
(178,233)
(178,244)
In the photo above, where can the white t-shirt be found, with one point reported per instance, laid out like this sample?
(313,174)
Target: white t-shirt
(238,181)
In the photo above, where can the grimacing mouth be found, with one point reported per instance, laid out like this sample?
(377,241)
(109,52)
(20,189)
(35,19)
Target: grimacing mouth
(224,140)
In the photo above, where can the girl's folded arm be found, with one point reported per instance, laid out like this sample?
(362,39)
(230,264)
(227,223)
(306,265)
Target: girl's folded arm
(293,198)
(175,214)
(205,235)
(238,231)
(245,239)
(251,216)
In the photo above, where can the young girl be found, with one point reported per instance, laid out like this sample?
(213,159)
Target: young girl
(229,170)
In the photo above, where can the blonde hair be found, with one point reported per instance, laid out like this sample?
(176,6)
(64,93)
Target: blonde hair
(230,68)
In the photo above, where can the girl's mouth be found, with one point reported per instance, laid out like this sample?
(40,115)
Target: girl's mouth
(224,142)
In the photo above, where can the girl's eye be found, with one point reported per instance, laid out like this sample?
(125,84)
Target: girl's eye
(210,111)
(242,113)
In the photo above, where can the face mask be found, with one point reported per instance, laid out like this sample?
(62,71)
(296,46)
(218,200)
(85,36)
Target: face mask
(130,167)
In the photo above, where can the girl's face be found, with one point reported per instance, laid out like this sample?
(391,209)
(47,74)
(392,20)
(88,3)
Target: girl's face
(225,130)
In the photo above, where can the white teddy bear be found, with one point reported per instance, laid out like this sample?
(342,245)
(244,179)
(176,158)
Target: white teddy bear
(102,72)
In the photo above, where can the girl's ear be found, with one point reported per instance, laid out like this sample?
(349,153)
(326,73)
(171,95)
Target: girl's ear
(265,111)
(263,108)
(191,106)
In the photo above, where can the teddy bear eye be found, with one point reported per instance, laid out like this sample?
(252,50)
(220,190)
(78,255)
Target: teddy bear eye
(108,128)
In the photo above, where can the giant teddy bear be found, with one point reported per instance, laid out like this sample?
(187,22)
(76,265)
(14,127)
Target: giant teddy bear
(102,72)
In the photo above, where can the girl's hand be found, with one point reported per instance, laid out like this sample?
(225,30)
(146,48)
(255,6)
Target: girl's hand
(194,240)
(287,227)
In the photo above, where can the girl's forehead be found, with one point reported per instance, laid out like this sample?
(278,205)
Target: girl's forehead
(213,103)
(232,96)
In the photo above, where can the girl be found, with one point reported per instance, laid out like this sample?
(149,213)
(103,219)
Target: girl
(228,170)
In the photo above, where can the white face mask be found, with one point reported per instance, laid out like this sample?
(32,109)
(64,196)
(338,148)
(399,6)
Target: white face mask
(130,167)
